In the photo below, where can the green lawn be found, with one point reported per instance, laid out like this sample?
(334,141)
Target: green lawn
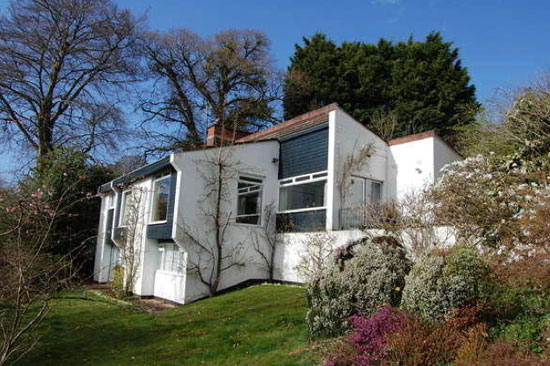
(261,325)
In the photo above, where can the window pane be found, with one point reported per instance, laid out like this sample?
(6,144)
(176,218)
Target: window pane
(356,192)
(162,192)
(376,192)
(249,201)
(249,204)
(301,196)
(126,207)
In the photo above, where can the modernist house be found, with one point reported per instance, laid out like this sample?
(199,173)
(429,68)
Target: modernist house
(293,167)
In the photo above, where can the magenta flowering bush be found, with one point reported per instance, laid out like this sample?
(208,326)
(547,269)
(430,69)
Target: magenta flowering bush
(366,344)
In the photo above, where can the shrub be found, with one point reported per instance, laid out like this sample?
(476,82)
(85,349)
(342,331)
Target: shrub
(500,353)
(372,278)
(118,281)
(444,281)
(427,344)
(366,344)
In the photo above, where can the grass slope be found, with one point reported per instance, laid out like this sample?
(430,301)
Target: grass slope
(261,325)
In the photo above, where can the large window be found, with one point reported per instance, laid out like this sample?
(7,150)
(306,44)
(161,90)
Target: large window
(125,211)
(171,258)
(161,194)
(303,193)
(249,201)
(363,190)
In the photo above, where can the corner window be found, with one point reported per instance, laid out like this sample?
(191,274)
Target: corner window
(126,208)
(249,201)
(171,258)
(161,193)
(303,193)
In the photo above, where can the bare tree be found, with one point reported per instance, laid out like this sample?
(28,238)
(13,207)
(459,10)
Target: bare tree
(62,65)
(214,254)
(129,245)
(384,124)
(30,274)
(229,78)
(266,241)
(317,254)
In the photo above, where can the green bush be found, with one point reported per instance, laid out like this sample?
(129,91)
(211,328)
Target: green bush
(374,276)
(444,281)
(118,281)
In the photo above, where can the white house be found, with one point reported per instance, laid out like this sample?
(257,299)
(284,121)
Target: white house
(294,167)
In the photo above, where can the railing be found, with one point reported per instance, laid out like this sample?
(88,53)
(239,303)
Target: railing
(366,216)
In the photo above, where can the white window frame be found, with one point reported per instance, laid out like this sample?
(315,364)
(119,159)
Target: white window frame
(370,180)
(163,251)
(123,207)
(111,198)
(250,179)
(153,201)
(304,179)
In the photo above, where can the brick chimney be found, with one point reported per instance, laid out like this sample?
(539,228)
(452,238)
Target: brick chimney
(218,135)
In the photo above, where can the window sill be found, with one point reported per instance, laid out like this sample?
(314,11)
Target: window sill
(157,222)
(248,225)
(302,210)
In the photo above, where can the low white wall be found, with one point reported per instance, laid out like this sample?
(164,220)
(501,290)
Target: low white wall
(293,247)
(169,285)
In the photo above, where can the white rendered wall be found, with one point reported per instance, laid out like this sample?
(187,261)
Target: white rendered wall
(443,155)
(102,250)
(415,165)
(419,163)
(349,137)
(293,247)
(255,159)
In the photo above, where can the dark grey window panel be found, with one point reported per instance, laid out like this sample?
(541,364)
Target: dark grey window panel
(304,153)
(109,227)
(164,230)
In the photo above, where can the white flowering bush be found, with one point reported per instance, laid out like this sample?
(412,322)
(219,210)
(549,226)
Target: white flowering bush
(373,277)
(442,282)
(484,199)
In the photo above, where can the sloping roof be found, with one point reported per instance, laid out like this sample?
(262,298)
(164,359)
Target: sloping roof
(411,138)
(293,125)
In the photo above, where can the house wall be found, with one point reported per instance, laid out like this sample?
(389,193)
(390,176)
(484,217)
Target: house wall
(443,155)
(102,251)
(401,168)
(415,165)
(248,159)
(347,137)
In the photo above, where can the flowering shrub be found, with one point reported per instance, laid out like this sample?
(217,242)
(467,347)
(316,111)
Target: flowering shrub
(373,277)
(418,343)
(442,282)
(366,344)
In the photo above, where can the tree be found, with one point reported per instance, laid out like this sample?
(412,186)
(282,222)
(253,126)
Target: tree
(422,84)
(266,241)
(31,275)
(229,78)
(212,253)
(69,178)
(62,65)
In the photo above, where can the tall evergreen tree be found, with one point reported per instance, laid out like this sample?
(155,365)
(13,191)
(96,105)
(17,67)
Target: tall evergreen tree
(422,84)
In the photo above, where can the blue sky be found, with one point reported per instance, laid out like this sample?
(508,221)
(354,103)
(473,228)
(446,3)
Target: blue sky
(503,43)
